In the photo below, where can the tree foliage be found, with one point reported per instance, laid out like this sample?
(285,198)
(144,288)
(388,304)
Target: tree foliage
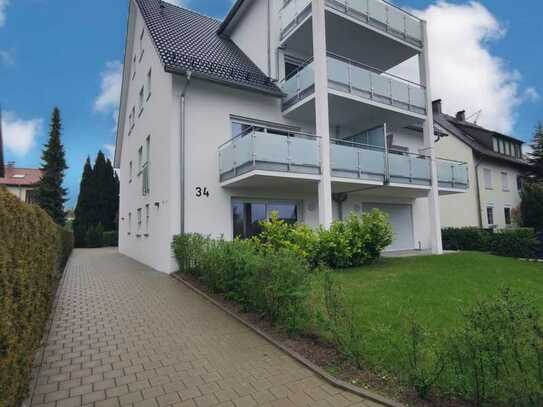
(98,201)
(531,207)
(535,158)
(50,193)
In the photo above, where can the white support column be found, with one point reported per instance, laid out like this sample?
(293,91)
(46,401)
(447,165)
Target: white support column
(428,131)
(321,110)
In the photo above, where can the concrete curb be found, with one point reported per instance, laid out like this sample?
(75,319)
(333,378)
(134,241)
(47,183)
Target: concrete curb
(307,363)
(41,351)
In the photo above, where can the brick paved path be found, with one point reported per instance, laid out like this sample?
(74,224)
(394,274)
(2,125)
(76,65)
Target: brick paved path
(124,335)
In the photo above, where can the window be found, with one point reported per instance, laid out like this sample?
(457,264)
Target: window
(133,116)
(130,123)
(146,179)
(505,181)
(147,149)
(31,196)
(147,210)
(490,215)
(487,174)
(519,183)
(129,223)
(508,148)
(495,144)
(149,74)
(130,171)
(140,101)
(507,213)
(134,68)
(140,159)
(502,146)
(141,43)
(247,215)
(139,220)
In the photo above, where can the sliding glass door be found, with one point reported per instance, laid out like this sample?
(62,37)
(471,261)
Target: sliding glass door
(247,215)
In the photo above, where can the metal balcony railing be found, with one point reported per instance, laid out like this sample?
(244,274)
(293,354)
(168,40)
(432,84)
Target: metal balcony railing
(270,150)
(452,174)
(374,163)
(379,14)
(357,79)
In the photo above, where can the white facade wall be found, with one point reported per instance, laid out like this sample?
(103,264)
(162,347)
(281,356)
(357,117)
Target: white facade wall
(158,120)
(497,196)
(459,210)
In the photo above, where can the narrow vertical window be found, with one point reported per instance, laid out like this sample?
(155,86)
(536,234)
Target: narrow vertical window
(129,222)
(505,182)
(495,144)
(490,215)
(508,218)
(147,214)
(130,171)
(140,100)
(141,43)
(133,115)
(139,220)
(140,158)
(519,183)
(487,178)
(149,75)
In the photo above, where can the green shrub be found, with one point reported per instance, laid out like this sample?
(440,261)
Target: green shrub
(271,282)
(520,243)
(94,236)
(111,238)
(496,357)
(33,251)
(67,244)
(466,238)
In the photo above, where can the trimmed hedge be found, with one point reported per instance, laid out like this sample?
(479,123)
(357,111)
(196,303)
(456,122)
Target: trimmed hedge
(33,251)
(520,243)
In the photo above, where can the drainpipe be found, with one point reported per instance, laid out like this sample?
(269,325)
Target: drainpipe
(479,193)
(182,154)
(269,39)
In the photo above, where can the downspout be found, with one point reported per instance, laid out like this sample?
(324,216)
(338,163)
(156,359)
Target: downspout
(182,154)
(269,39)
(479,194)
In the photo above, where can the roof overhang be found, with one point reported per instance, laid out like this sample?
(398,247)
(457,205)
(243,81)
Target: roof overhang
(232,17)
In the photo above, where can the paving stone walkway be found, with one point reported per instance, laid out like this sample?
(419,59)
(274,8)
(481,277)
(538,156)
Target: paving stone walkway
(124,335)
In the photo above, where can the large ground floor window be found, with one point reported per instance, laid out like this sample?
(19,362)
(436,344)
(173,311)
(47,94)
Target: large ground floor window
(247,215)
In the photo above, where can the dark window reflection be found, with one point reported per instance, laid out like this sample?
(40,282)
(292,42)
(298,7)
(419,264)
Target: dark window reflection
(248,215)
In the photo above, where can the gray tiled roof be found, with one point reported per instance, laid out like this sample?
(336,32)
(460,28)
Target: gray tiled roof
(187,41)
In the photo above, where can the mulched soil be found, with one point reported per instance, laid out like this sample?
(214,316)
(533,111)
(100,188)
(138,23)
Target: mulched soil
(328,358)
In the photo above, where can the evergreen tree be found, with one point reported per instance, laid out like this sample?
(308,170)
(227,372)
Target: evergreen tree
(535,158)
(50,193)
(84,211)
(531,207)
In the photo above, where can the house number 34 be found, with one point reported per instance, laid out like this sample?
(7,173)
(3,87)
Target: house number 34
(202,191)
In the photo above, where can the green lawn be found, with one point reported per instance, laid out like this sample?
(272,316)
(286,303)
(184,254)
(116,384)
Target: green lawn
(431,289)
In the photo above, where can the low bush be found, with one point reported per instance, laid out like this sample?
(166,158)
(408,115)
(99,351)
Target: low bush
(94,236)
(356,241)
(521,243)
(110,239)
(273,283)
(467,238)
(33,251)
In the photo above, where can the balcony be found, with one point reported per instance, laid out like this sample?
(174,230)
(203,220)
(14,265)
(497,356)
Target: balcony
(265,151)
(373,15)
(358,82)
(452,175)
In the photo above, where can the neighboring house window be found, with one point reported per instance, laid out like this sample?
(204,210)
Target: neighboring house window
(140,100)
(31,196)
(495,144)
(129,222)
(139,220)
(246,215)
(130,171)
(507,213)
(502,146)
(519,183)
(505,182)
(149,74)
(147,219)
(487,174)
(490,215)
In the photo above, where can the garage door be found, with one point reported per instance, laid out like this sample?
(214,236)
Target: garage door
(402,224)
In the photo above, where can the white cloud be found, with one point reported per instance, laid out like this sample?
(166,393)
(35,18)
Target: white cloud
(19,135)
(110,89)
(109,150)
(3,7)
(179,3)
(464,72)
(6,57)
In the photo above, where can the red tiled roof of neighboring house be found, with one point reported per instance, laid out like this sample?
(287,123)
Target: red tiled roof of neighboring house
(21,176)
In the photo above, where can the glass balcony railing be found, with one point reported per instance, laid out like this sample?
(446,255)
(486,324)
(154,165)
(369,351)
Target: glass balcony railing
(293,12)
(360,80)
(373,163)
(299,85)
(270,150)
(452,174)
(383,16)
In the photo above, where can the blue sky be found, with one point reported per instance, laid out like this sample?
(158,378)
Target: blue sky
(59,53)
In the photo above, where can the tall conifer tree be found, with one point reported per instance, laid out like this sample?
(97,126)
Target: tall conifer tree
(84,211)
(535,158)
(50,193)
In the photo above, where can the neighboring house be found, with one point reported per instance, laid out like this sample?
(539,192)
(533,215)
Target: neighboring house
(21,182)
(496,168)
(284,106)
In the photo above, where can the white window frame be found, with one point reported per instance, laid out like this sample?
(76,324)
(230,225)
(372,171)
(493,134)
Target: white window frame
(506,207)
(495,144)
(505,181)
(487,178)
(490,206)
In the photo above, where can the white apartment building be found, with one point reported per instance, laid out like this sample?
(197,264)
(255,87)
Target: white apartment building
(496,165)
(284,106)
